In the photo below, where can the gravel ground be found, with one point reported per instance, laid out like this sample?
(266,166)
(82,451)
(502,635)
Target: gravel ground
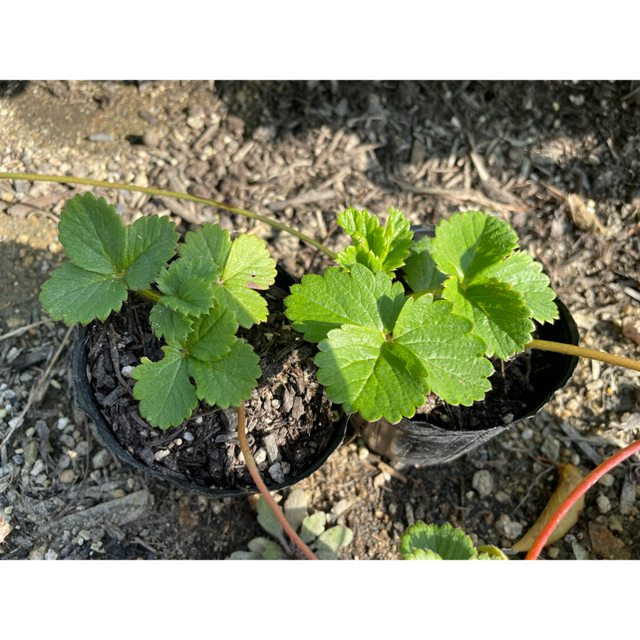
(559,161)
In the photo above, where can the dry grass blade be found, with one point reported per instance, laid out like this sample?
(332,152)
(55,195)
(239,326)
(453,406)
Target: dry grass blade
(17,332)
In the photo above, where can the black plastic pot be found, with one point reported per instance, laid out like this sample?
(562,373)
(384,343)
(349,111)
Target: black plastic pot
(421,444)
(87,402)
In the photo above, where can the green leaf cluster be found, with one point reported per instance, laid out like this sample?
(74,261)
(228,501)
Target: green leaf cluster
(382,349)
(432,542)
(201,299)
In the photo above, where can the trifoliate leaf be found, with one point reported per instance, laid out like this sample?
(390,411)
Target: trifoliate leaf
(456,370)
(322,303)
(420,270)
(150,245)
(211,335)
(525,275)
(93,235)
(500,316)
(378,248)
(398,239)
(184,291)
(472,241)
(76,295)
(368,374)
(166,396)
(229,380)
(361,225)
(172,325)
(445,543)
(245,266)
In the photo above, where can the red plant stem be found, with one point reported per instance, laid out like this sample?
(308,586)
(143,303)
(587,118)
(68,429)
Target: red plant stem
(255,474)
(575,495)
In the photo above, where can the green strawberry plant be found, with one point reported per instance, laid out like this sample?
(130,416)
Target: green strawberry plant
(383,345)
(433,542)
(209,289)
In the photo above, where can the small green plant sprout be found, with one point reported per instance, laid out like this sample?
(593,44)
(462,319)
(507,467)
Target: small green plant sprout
(468,293)
(325,542)
(209,288)
(433,542)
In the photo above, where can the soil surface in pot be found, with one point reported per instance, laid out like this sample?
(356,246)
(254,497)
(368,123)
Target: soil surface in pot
(289,420)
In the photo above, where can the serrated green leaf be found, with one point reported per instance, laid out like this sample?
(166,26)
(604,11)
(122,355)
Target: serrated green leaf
(184,291)
(230,379)
(313,526)
(361,255)
(334,539)
(489,552)
(166,396)
(77,295)
(419,554)
(320,304)
(421,272)
(445,541)
(209,241)
(172,325)
(150,244)
(398,239)
(472,241)
(93,235)
(525,275)
(498,312)
(212,335)
(365,373)
(364,227)
(452,357)
(267,519)
(249,306)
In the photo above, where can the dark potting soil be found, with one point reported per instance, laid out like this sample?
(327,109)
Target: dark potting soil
(289,418)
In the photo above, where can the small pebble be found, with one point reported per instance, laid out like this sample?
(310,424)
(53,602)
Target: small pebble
(604,504)
(502,497)
(38,467)
(627,496)
(615,524)
(363,453)
(482,482)
(341,507)
(151,138)
(508,528)
(62,423)
(126,371)
(160,455)
(261,456)
(275,471)
(551,448)
(607,480)
(553,552)
(67,476)
(527,434)
(51,555)
(100,459)
(188,436)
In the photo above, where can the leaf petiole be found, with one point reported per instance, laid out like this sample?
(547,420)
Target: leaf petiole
(582,352)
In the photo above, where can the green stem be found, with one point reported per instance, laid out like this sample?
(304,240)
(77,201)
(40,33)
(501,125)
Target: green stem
(576,494)
(169,194)
(582,352)
(262,487)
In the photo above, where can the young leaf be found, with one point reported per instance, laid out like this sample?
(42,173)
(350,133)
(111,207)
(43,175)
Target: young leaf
(172,325)
(499,313)
(361,255)
(211,335)
(166,396)
(525,275)
(420,270)
(322,303)
(436,543)
(398,239)
(331,541)
(313,526)
(364,228)
(230,379)
(76,295)
(472,241)
(295,508)
(245,266)
(185,292)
